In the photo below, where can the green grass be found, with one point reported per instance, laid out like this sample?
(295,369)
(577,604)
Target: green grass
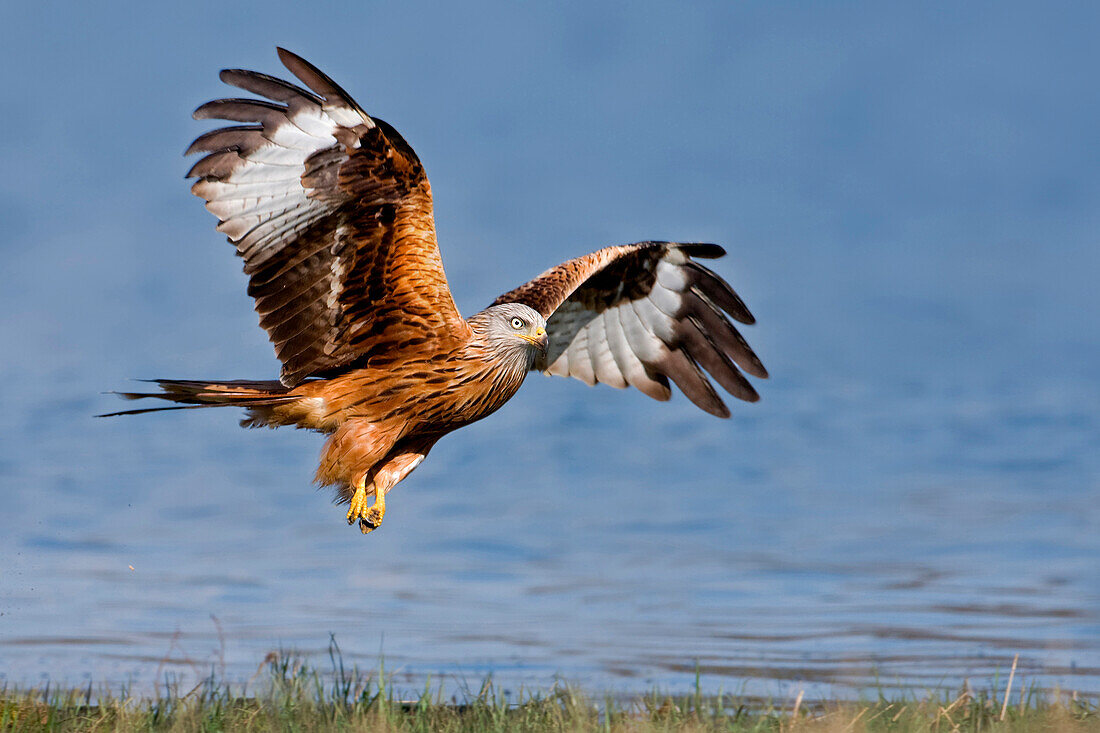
(296,697)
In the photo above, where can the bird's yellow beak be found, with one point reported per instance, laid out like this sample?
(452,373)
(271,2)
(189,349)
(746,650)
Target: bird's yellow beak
(540,339)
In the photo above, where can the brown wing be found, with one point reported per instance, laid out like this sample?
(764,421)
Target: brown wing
(641,314)
(332,213)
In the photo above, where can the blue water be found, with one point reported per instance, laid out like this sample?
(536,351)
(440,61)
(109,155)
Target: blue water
(911,201)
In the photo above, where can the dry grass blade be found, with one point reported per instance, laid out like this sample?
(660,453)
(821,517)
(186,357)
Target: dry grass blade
(1008,687)
(855,719)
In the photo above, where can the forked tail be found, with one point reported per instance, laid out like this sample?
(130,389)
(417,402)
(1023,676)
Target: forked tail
(191,394)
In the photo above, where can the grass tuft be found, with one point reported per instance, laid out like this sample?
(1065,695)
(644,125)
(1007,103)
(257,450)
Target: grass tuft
(293,696)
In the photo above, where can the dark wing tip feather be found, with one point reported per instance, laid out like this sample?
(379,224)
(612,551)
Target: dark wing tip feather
(315,79)
(216,165)
(235,109)
(682,368)
(266,85)
(223,138)
(719,291)
(704,250)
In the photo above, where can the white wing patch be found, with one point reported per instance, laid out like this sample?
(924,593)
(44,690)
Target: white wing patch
(645,341)
(262,199)
(620,345)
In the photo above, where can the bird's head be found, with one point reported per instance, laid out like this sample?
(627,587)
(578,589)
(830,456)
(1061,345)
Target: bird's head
(513,329)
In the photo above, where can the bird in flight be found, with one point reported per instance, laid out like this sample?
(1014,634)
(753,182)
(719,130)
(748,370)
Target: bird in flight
(331,212)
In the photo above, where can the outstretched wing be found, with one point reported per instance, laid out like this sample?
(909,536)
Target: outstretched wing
(640,315)
(332,212)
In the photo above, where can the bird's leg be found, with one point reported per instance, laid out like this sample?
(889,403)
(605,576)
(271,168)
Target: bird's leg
(369,517)
(384,478)
(358,500)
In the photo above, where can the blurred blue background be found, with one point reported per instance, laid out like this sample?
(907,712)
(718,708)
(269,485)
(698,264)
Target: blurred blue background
(910,198)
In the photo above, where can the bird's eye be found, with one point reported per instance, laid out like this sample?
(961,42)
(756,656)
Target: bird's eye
(517,323)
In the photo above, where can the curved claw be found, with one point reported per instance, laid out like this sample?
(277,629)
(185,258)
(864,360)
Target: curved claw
(369,524)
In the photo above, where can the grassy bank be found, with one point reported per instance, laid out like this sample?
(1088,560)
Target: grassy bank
(297,697)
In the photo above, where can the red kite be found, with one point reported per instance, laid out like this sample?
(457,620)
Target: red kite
(332,213)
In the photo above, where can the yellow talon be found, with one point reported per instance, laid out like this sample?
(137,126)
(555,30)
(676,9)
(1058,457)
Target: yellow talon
(358,500)
(369,517)
(370,520)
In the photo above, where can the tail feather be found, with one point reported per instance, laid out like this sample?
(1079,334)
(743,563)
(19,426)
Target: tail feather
(193,394)
(150,409)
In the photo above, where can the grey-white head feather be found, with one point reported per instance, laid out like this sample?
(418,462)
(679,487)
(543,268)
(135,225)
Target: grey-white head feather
(506,330)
